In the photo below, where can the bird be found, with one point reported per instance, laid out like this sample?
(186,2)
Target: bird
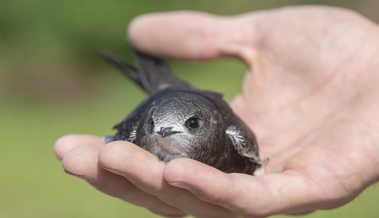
(178,120)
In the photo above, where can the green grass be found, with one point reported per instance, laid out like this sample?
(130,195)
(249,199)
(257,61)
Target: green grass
(33,183)
(52,83)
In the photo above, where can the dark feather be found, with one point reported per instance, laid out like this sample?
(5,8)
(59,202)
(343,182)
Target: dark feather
(225,142)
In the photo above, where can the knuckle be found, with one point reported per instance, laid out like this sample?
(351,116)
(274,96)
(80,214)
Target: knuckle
(170,198)
(219,200)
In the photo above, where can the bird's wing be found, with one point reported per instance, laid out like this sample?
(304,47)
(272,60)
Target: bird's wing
(127,129)
(153,74)
(125,68)
(244,147)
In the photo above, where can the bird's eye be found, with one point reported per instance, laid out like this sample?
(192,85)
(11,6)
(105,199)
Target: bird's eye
(152,122)
(193,122)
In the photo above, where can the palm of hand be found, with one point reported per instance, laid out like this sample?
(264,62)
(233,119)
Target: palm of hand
(313,108)
(309,99)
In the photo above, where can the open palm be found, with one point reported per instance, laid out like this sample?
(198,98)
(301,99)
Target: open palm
(310,97)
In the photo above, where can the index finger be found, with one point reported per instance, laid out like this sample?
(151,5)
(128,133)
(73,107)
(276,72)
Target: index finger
(193,36)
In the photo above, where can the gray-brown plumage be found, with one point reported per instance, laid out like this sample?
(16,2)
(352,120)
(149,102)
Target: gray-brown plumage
(178,120)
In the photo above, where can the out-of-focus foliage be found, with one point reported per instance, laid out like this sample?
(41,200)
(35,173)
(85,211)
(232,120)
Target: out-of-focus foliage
(52,83)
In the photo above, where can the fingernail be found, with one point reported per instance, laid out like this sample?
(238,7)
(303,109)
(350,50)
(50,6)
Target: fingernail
(76,176)
(181,185)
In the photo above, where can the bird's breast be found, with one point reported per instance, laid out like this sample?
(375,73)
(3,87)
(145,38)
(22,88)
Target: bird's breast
(167,148)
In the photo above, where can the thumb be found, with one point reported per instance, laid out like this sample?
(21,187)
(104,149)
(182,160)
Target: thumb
(192,36)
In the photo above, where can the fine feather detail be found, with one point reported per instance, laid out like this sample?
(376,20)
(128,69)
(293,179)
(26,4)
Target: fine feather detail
(236,137)
(133,135)
(239,143)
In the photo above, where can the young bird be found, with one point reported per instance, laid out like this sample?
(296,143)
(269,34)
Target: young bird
(178,120)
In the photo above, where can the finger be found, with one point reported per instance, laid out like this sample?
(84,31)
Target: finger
(82,162)
(68,142)
(245,195)
(301,213)
(192,35)
(145,171)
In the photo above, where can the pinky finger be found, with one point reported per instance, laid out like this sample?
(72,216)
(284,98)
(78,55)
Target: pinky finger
(82,162)
(68,142)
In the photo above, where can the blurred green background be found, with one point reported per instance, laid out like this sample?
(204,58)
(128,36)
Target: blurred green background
(52,83)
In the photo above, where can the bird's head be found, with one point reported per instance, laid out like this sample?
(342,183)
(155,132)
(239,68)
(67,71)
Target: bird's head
(182,123)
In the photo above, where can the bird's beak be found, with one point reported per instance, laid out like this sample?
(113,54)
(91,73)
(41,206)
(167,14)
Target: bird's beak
(166,131)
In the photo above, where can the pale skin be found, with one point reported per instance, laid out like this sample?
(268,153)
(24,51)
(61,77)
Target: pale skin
(311,96)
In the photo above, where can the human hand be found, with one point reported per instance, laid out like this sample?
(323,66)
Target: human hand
(310,98)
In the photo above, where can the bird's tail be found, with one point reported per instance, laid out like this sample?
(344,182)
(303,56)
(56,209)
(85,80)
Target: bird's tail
(152,74)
